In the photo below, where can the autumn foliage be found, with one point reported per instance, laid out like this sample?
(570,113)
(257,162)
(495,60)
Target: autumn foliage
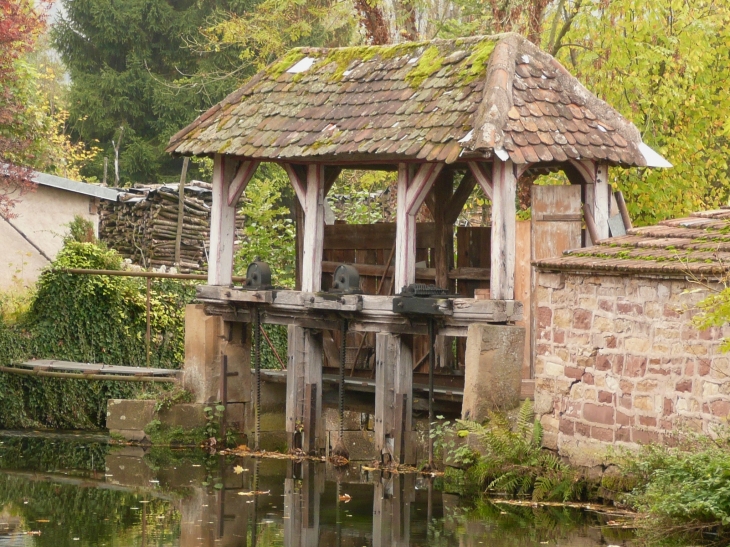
(20,24)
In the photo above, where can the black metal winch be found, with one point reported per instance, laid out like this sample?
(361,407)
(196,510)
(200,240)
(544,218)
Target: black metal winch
(258,276)
(422,299)
(346,280)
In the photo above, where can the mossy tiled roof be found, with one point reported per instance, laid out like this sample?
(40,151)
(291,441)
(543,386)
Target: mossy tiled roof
(697,245)
(443,100)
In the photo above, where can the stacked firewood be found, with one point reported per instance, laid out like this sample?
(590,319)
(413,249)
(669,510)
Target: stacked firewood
(142,225)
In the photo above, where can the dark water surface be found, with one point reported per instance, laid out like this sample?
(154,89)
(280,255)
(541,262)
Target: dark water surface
(61,490)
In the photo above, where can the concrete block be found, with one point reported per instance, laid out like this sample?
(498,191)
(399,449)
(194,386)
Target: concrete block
(123,414)
(185,415)
(361,444)
(353,420)
(494,357)
(132,435)
(203,337)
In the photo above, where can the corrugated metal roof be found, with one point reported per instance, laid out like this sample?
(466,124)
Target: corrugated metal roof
(101,192)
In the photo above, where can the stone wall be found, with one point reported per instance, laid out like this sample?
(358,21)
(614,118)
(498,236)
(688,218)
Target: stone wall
(619,362)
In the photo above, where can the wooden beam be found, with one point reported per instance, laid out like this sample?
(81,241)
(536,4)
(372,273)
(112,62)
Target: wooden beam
(383,426)
(330,176)
(420,185)
(244,174)
(299,183)
(586,168)
(459,198)
(602,200)
(483,178)
(312,247)
(405,234)
(222,223)
(502,281)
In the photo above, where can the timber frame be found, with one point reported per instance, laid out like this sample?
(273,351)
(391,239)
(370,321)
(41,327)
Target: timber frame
(492,109)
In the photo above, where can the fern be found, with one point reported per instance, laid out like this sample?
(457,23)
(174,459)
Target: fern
(513,461)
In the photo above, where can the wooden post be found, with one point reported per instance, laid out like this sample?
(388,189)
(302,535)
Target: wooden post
(394,396)
(304,390)
(412,190)
(230,178)
(384,356)
(502,278)
(313,230)
(443,192)
(602,200)
(180,209)
(405,235)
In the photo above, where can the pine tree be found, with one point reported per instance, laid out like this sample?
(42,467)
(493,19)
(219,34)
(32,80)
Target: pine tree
(127,60)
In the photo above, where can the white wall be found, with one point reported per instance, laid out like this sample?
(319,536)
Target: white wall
(43,216)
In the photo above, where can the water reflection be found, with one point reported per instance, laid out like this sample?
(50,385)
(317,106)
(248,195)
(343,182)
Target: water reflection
(80,491)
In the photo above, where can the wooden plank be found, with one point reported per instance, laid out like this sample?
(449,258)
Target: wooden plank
(349,302)
(428,274)
(97,368)
(222,223)
(377,236)
(313,356)
(313,230)
(502,282)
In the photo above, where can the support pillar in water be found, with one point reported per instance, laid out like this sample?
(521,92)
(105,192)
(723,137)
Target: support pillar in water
(394,398)
(304,425)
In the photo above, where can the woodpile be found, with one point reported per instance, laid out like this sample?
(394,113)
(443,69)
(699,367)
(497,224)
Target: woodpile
(142,225)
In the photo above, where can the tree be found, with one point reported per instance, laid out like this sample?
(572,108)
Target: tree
(127,60)
(20,24)
(665,66)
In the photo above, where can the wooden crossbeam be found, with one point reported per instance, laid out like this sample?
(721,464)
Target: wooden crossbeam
(420,185)
(459,198)
(483,177)
(243,176)
(299,182)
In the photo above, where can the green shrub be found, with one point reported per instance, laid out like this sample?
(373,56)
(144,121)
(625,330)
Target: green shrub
(86,318)
(686,488)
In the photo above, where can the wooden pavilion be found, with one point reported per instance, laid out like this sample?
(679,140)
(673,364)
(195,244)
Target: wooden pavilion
(486,110)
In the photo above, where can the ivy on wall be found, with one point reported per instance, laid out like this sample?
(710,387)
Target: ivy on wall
(87,318)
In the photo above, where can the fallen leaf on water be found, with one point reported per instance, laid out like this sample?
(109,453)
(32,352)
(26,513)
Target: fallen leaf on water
(42,520)
(254,493)
(369,468)
(34,533)
(238,470)
(346,498)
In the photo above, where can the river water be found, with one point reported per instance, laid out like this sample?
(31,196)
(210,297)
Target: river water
(76,490)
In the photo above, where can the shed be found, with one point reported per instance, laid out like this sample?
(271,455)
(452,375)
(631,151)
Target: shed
(446,115)
(35,235)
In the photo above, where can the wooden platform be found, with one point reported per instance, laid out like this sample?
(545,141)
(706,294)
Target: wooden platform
(365,313)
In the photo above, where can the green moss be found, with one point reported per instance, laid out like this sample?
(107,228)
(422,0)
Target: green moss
(429,63)
(476,63)
(286,62)
(163,435)
(344,57)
